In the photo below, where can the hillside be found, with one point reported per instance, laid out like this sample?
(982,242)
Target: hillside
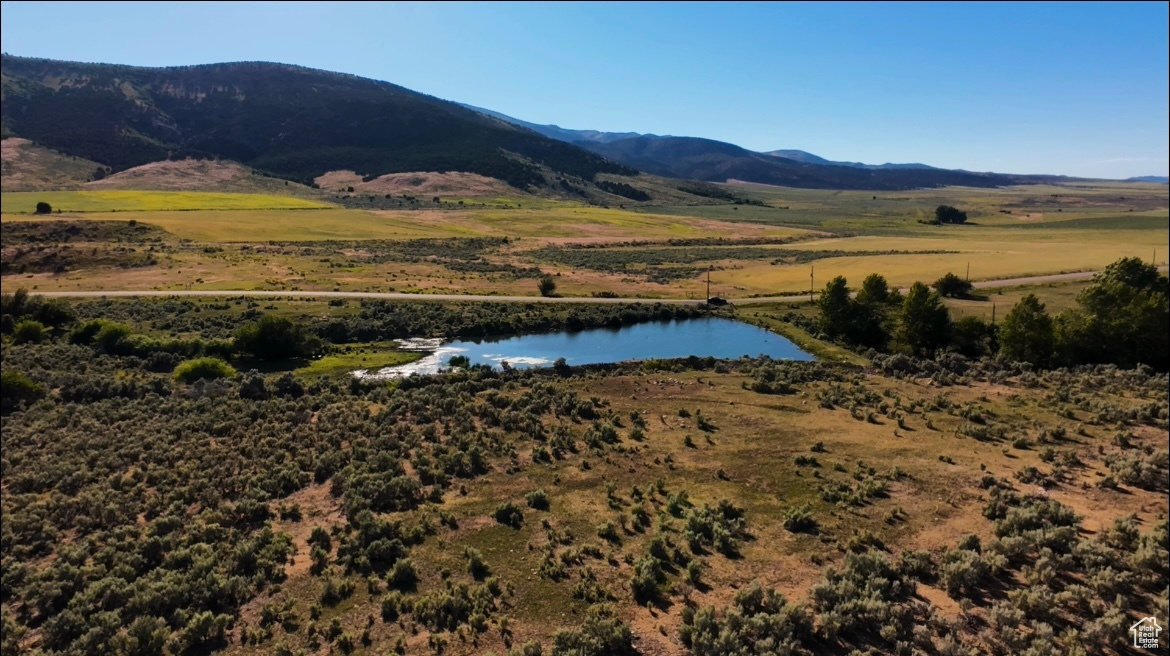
(288,121)
(27,166)
(716,161)
(200,175)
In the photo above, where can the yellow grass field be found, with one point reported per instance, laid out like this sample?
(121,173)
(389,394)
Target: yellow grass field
(147,201)
(1013,233)
(992,254)
(566,222)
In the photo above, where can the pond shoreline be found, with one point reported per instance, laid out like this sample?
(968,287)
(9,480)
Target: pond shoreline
(717,337)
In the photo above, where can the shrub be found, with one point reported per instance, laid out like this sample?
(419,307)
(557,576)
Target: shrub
(800,520)
(647,575)
(16,390)
(29,332)
(203,369)
(962,571)
(758,622)
(547,286)
(598,636)
(509,514)
(403,575)
(608,531)
(537,499)
(476,565)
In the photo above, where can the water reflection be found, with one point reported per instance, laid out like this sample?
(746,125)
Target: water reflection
(714,337)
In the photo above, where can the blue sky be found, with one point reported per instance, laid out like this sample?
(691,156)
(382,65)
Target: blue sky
(1075,89)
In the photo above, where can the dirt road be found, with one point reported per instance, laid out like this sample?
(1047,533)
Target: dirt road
(982,284)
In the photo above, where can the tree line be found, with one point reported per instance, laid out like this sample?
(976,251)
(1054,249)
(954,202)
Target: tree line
(1121,318)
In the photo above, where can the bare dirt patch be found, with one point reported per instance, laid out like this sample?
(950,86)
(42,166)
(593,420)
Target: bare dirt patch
(423,183)
(318,508)
(199,175)
(26,166)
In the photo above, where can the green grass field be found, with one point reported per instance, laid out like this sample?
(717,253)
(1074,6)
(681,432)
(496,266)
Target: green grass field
(346,359)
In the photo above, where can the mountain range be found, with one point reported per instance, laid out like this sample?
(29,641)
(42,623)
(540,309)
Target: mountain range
(717,161)
(293,122)
(598,136)
(299,124)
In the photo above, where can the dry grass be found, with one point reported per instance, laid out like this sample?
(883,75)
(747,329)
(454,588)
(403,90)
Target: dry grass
(150,201)
(25,166)
(421,184)
(749,459)
(201,175)
(1090,234)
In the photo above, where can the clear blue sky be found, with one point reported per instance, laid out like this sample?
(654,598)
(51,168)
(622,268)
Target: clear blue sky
(1076,89)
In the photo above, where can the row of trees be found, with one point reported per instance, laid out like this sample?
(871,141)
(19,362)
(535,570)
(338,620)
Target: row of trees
(1121,318)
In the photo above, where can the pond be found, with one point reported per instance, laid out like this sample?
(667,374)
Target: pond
(714,337)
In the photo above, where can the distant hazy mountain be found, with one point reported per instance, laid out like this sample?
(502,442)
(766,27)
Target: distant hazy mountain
(557,132)
(809,158)
(294,122)
(716,161)
(1150,178)
(573,136)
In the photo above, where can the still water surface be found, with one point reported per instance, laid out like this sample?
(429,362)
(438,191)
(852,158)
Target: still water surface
(719,338)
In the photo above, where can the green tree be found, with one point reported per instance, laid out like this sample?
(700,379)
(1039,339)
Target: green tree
(44,208)
(275,338)
(924,321)
(949,214)
(871,312)
(547,285)
(836,308)
(1121,318)
(973,337)
(875,291)
(1026,334)
(953,286)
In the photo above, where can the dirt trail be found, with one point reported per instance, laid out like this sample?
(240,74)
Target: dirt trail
(982,284)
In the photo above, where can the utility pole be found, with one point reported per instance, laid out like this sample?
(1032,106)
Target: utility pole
(993,313)
(811,286)
(968,271)
(708,284)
